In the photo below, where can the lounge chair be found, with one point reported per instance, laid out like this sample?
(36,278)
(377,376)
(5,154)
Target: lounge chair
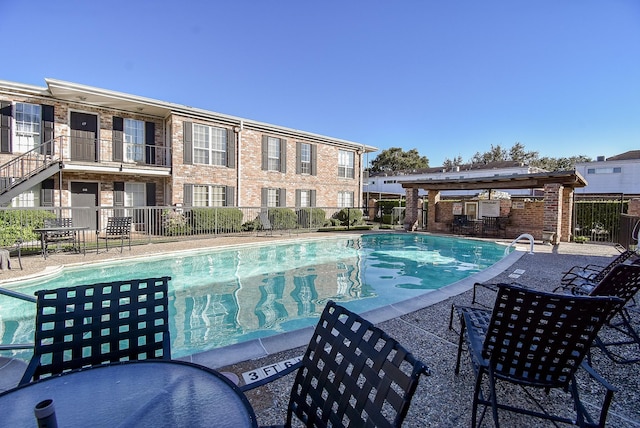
(584,276)
(535,340)
(118,228)
(622,281)
(89,325)
(352,374)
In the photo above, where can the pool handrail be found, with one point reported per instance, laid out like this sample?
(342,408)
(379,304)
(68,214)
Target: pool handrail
(17,295)
(522,236)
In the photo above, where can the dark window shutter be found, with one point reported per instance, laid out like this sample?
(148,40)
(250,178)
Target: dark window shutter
(117,138)
(48,120)
(265,153)
(5,127)
(283,155)
(264,197)
(151,194)
(314,159)
(187,197)
(282,197)
(230,196)
(187,141)
(312,198)
(231,149)
(150,141)
(298,197)
(298,158)
(46,193)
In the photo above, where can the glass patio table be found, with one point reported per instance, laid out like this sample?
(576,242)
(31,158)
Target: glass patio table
(138,393)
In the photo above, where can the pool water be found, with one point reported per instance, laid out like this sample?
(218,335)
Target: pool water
(222,296)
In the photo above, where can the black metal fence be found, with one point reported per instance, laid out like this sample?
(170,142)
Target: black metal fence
(170,223)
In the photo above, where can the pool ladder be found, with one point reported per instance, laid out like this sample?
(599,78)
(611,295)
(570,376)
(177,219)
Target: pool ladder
(522,236)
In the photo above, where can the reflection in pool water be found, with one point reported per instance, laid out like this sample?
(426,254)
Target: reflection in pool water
(228,295)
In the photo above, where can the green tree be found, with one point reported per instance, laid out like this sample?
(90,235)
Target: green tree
(450,163)
(560,164)
(396,159)
(496,154)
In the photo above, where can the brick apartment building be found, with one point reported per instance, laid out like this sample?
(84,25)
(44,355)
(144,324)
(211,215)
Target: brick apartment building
(73,145)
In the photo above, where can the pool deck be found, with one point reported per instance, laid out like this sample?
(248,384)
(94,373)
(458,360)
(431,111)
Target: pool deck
(442,399)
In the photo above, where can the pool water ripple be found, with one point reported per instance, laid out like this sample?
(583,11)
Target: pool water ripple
(226,296)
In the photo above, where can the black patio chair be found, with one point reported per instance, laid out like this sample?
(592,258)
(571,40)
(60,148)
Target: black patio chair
(88,325)
(536,340)
(118,228)
(584,276)
(58,237)
(490,226)
(352,374)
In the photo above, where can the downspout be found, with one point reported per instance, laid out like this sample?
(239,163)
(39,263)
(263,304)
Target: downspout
(238,132)
(361,186)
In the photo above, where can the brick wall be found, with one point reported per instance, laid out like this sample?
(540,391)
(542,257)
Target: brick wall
(253,179)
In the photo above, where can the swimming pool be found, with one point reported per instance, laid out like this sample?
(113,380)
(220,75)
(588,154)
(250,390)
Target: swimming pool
(229,295)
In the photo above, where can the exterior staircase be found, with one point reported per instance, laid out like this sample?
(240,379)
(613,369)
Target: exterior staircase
(27,170)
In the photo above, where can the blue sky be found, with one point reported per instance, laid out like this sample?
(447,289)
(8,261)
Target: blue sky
(447,78)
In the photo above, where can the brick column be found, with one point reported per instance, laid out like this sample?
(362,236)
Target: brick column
(434,198)
(411,211)
(634,207)
(552,216)
(567,215)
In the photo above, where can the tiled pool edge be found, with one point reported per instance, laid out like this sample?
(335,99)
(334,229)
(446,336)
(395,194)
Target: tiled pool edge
(260,348)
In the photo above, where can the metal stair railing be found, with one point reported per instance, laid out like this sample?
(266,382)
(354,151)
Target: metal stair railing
(28,164)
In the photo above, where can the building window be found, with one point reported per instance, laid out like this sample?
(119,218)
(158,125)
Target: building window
(305,158)
(345,199)
(209,145)
(134,195)
(305,198)
(28,199)
(608,170)
(345,164)
(274,154)
(133,140)
(28,120)
(209,196)
(273,198)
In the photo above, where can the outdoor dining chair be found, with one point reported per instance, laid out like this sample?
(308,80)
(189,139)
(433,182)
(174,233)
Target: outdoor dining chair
(57,237)
(351,375)
(118,228)
(88,325)
(535,340)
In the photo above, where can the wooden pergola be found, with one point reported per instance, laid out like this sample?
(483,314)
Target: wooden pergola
(558,196)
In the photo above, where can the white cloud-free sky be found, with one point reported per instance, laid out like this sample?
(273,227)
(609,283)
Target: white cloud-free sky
(448,78)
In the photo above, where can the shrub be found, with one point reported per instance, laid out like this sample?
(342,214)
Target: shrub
(217,220)
(309,218)
(282,218)
(19,224)
(349,216)
(175,223)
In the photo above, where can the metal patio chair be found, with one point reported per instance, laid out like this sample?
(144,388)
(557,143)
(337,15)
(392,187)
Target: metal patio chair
(536,340)
(118,228)
(584,276)
(352,374)
(60,237)
(89,325)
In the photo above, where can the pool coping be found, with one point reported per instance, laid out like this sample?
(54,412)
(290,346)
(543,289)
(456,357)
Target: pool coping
(263,347)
